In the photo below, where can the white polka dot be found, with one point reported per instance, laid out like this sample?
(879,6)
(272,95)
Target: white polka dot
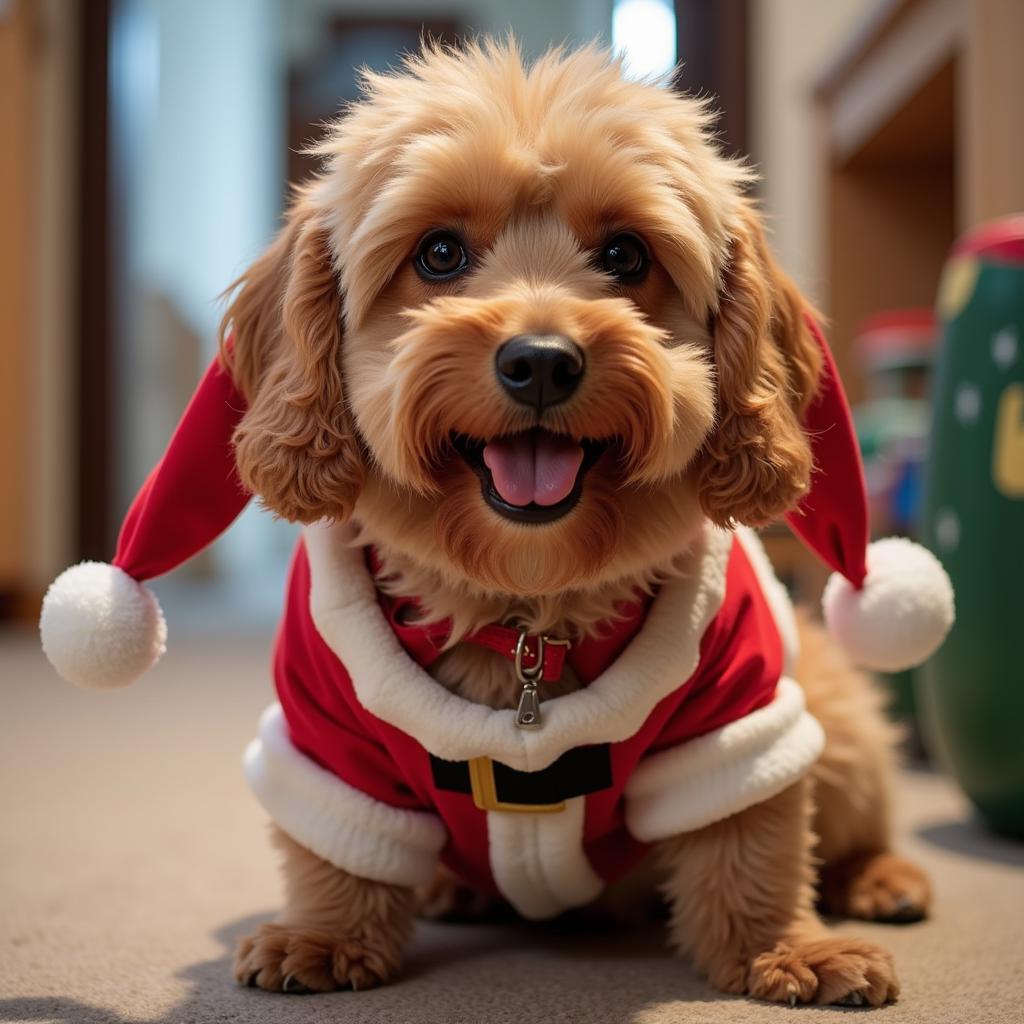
(1004,347)
(947,529)
(967,403)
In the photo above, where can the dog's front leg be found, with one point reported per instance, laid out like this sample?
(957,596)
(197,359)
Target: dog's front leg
(741,893)
(336,930)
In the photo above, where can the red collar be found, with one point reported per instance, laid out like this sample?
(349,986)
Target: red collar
(590,656)
(426,641)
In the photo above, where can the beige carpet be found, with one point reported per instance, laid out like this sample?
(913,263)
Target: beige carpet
(132,857)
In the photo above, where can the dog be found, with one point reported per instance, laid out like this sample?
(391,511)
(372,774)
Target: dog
(523,342)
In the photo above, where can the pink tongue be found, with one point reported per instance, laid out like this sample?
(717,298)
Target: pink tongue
(536,467)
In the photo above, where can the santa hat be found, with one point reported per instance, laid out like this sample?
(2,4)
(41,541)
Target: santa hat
(100,626)
(890,604)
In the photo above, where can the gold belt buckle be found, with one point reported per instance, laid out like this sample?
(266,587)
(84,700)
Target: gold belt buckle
(485,792)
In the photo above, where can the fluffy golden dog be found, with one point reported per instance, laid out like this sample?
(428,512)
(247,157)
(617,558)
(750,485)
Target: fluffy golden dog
(468,200)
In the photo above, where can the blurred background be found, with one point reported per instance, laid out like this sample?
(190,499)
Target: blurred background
(146,148)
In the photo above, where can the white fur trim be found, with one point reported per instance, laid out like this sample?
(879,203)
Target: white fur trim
(901,615)
(775,594)
(333,819)
(390,685)
(538,861)
(100,628)
(726,771)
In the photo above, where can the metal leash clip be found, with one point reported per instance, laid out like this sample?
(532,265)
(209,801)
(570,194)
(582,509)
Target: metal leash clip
(528,712)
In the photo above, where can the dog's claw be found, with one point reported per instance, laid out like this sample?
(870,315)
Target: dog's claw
(791,997)
(250,982)
(904,911)
(292,985)
(855,998)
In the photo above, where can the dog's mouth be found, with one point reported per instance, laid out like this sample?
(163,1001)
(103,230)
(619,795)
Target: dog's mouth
(533,476)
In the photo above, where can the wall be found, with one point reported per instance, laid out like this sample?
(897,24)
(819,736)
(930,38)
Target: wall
(537,23)
(17,95)
(791,41)
(38,44)
(198,163)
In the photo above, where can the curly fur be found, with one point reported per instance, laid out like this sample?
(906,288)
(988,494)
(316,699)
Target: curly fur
(757,464)
(281,338)
(358,374)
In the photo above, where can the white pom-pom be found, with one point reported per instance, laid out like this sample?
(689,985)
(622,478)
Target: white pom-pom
(100,628)
(901,615)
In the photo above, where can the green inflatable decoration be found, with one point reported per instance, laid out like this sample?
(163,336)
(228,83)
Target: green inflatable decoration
(972,690)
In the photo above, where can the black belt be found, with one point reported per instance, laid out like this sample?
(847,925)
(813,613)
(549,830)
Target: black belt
(496,787)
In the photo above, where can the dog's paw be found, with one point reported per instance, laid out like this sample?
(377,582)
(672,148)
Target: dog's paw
(293,958)
(833,969)
(878,887)
(447,899)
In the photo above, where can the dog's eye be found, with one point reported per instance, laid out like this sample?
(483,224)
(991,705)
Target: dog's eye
(441,255)
(625,258)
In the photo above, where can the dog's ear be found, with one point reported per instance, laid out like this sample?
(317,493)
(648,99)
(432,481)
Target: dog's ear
(757,463)
(281,340)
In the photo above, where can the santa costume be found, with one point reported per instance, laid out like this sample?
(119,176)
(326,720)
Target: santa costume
(687,711)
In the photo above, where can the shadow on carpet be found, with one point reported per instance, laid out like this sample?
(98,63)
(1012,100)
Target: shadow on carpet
(575,970)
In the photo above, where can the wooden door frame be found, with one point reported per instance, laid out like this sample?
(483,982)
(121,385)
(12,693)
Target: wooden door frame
(94,378)
(712,45)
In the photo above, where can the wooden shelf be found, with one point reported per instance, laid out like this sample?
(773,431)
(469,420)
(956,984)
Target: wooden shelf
(903,47)
(921,137)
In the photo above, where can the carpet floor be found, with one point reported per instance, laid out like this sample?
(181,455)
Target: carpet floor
(132,857)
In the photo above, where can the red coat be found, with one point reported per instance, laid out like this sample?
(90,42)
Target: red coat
(379,769)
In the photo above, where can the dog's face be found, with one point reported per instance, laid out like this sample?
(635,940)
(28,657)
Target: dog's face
(523,327)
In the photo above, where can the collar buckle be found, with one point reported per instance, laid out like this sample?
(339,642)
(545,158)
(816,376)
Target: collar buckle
(533,673)
(528,712)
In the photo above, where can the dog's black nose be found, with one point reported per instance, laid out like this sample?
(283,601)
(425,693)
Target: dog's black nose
(540,369)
